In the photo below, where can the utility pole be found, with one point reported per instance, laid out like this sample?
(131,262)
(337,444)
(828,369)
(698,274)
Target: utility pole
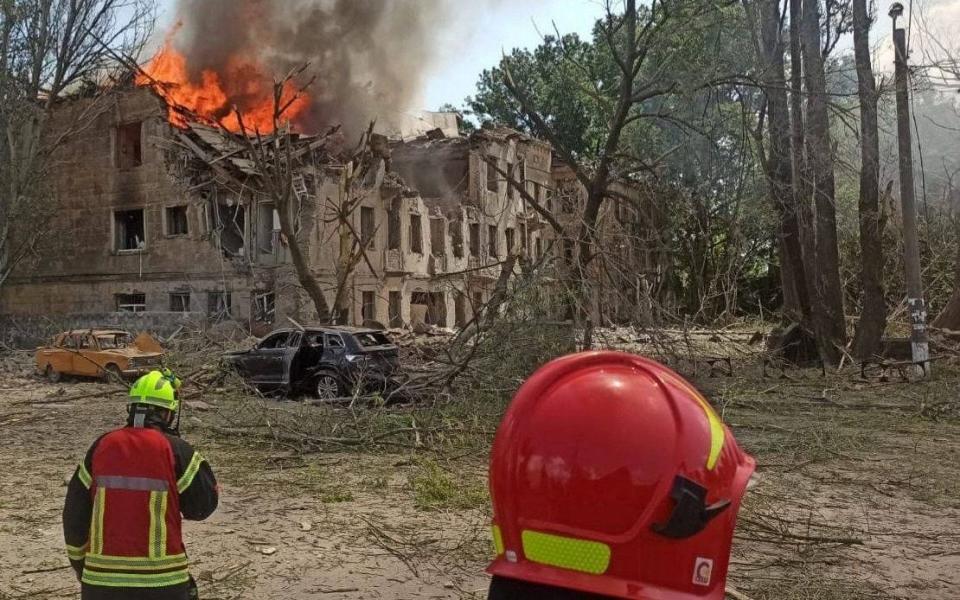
(920,348)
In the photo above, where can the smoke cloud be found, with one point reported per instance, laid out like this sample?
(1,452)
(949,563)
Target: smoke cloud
(370,57)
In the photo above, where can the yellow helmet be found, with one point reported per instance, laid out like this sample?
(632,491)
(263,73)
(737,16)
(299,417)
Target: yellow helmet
(156,388)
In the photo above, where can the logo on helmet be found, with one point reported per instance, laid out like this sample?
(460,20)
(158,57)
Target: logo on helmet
(702,571)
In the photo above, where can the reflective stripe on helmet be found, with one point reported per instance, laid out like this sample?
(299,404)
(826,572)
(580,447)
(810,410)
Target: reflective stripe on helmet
(157,545)
(187,478)
(149,580)
(498,547)
(84,475)
(96,523)
(136,563)
(717,432)
(585,556)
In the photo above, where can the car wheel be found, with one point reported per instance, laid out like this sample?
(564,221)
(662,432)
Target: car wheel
(327,387)
(52,375)
(112,373)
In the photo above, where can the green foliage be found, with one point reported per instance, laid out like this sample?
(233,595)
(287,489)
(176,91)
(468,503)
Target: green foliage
(692,139)
(555,77)
(435,488)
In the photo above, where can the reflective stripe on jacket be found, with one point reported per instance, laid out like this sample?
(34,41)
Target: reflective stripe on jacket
(122,517)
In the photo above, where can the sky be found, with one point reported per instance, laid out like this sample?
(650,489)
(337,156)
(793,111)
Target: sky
(493,27)
(500,28)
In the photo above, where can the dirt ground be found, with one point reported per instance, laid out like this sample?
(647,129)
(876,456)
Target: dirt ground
(858,496)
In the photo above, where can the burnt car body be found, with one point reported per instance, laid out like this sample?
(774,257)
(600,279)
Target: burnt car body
(330,362)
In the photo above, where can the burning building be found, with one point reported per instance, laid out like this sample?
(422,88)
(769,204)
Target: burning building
(158,213)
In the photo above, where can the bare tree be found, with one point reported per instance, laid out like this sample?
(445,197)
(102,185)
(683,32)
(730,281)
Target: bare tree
(873,317)
(279,166)
(52,51)
(631,38)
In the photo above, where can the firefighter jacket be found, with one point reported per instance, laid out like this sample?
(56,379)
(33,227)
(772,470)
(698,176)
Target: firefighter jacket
(122,516)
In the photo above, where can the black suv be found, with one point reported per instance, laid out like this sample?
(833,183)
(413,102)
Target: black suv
(330,362)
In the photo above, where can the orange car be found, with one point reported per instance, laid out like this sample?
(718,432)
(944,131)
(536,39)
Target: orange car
(106,353)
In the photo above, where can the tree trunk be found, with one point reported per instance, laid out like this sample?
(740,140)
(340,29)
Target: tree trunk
(873,319)
(778,164)
(300,262)
(801,175)
(828,304)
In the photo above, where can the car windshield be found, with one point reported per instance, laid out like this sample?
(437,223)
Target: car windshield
(114,340)
(372,338)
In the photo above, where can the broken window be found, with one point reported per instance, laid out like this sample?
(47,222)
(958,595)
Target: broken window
(509,233)
(131,303)
(536,191)
(230,225)
(180,302)
(128,230)
(549,200)
(437,243)
(129,145)
(524,240)
(277,340)
(219,305)
(537,248)
(368,308)
(268,228)
(396,320)
(474,239)
(431,305)
(492,235)
(477,302)
(520,176)
(456,238)
(264,307)
(416,234)
(177,220)
(393,225)
(492,176)
(459,309)
(368,225)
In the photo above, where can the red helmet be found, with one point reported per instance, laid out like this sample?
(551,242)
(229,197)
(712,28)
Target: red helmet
(612,475)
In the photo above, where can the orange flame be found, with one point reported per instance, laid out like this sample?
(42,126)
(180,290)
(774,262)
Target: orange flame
(217,97)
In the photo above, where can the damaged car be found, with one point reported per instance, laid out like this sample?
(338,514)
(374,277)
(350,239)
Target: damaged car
(328,362)
(104,353)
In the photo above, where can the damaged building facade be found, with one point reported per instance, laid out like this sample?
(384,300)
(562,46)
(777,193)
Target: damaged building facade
(131,233)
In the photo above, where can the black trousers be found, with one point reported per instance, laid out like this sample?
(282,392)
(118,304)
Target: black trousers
(502,588)
(173,592)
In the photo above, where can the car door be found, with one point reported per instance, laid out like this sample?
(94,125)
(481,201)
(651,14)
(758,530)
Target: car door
(333,351)
(265,361)
(290,350)
(84,355)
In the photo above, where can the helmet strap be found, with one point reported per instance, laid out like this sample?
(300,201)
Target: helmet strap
(175,430)
(139,415)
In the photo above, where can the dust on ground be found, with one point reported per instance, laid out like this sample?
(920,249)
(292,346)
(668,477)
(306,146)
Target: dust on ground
(858,495)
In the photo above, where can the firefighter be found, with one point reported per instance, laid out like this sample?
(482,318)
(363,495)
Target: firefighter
(612,477)
(122,516)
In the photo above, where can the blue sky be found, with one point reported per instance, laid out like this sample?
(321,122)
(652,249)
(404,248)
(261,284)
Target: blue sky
(487,28)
